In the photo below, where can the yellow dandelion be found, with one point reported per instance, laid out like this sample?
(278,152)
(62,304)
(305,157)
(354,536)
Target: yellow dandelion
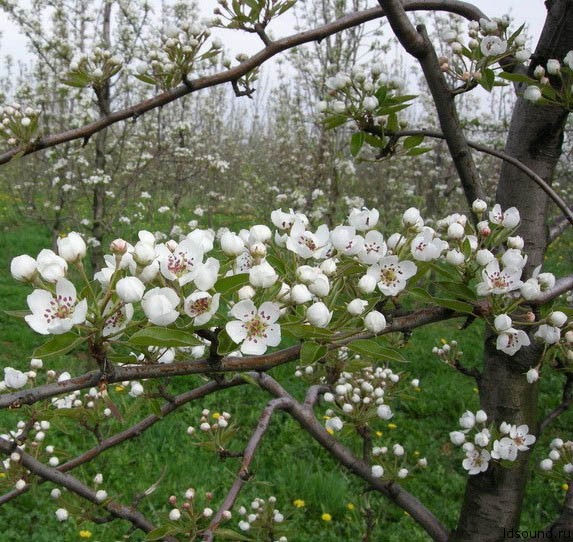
(416,452)
(392,426)
(475,390)
(119,388)
(216,415)
(350,506)
(443,341)
(326,517)
(85,534)
(406,513)
(565,487)
(379,433)
(326,417)
(418,389)
(299,503)
(330,431)
(2,475)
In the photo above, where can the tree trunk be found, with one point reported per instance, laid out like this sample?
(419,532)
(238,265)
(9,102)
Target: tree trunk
(104,106)
(493,500)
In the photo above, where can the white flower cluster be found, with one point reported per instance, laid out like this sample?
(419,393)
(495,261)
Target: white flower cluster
(18,124)
(262,519)
(487,444)
(560,70)
(93,69)
(182,48)
(173,280)
(360,95)
(489,40)
(560,459)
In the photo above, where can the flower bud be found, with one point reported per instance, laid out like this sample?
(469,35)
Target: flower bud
(318,315)
(375,322)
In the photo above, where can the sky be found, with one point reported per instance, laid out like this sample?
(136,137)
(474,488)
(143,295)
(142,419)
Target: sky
(531,11)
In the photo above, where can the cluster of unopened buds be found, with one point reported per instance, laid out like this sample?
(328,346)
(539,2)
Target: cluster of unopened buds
(215,430)
(362,396)
(552,83)
(62,513)
(245,15)
(189,514)
(263,520)
(483,444)
(560,459)
(361,96)
(182,48)
(448,352)
(18,124)
(391,462)
(93,69)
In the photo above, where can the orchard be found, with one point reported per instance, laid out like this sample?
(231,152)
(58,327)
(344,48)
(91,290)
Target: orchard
(348,317)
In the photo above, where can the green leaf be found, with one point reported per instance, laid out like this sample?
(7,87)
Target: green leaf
(17,314)
(249,379)
(516,77)
(311,352)
(373,349)
(392,124)
(374,141)
(457,289)
(334,121)
(161,532)
(164,336)
(356,142)
(488,79)
(454,304)
(58,345)
(230,284)
(229,534)
(146,79)
(413,141)
(226,344)
(422,294)
(306,331)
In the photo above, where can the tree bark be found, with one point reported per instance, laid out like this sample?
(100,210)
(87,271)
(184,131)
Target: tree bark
(103,96)
(493,500)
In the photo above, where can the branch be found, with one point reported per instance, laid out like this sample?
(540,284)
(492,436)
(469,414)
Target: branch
(562,285)
(558,227)
(74,485)
(399,496)
(566,209)
(417,43)
(243,474)
(135,430)
(228,364)
(349,21)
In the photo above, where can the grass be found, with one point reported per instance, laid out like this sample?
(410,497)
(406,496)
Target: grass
(288,465)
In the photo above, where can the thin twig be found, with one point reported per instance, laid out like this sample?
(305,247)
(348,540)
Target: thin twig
(74,485)
(243,474)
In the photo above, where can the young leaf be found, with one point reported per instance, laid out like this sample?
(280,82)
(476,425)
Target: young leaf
(356,142)
(58,345)
(311,352)
(164,336)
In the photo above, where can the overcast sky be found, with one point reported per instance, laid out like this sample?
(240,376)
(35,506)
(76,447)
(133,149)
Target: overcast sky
(530,11)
